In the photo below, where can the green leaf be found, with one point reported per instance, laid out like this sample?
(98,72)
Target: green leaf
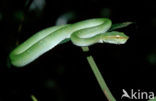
(65,41)
(120,25)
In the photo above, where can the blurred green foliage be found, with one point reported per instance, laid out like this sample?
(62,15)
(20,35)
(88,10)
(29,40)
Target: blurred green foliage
(19,15)
(152,58)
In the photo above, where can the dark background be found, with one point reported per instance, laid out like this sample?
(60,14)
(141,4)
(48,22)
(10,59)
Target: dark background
(63,73)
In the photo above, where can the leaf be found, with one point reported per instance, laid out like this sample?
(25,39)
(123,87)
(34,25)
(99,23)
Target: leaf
(120,25)
(65,41)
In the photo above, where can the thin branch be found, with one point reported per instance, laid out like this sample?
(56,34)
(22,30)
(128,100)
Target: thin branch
(98,76)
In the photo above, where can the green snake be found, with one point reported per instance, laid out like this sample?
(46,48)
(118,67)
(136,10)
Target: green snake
(83,33)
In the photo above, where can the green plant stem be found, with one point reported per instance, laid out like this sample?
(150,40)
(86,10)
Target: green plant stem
(98,76)
(33,98)
(153,99)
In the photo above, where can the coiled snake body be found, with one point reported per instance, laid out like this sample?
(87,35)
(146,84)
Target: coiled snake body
(82,33)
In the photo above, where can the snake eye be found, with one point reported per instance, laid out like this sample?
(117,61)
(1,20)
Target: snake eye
(117,36)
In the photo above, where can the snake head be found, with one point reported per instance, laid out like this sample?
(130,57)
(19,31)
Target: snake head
(113,37)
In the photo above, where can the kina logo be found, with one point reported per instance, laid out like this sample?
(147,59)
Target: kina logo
(137,94)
